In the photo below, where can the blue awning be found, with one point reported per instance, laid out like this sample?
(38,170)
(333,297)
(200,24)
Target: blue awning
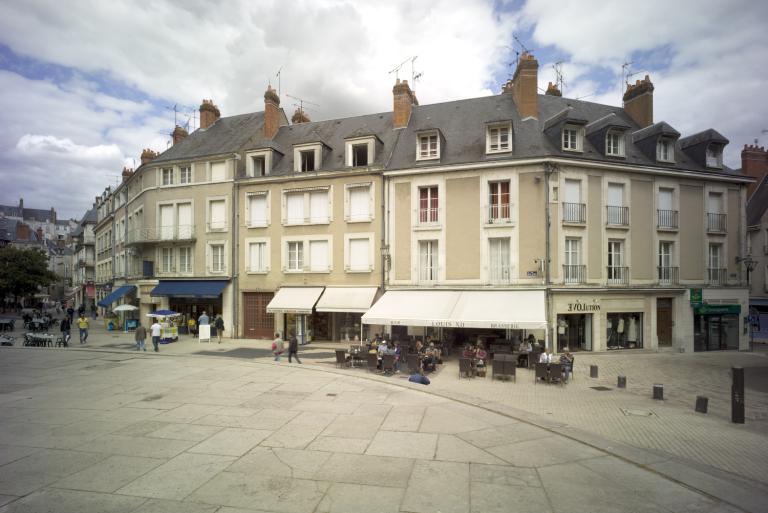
(115,295)
(189,288)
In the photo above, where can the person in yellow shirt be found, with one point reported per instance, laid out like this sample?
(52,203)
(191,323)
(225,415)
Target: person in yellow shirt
(192,326)
(82,323)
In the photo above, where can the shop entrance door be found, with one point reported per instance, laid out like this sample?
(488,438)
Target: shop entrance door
(258,323)
(664,321)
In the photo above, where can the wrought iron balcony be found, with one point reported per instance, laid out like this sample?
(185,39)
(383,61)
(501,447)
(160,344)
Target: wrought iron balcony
(618,216)
(161,234)
(574,273)
(574,213)
(717,276)
(716,223)
(618,275)
(667,219)
(668,275)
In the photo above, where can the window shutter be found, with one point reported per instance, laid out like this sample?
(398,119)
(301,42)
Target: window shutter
(359,203)
(318,255)
(318,206)
(295,208)
(185,221)
(258,210)
(572,191)
(218,216)
(665,199)
(218,171)
(359,252)
(166,222)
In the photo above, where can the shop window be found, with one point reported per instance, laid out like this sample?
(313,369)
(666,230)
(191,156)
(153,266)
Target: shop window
(624,331)
(574,332)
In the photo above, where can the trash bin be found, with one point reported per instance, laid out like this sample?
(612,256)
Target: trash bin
(622,382)
(658,392)
(593,371)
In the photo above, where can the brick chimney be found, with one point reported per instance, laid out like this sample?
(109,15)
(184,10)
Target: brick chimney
(299,117)
(271,113)
(403,101)
(754,163)
(209,113)
(552,90)
(127,173)
(178,135)
(22,231)
(524,86)
(638,102)
(147,155)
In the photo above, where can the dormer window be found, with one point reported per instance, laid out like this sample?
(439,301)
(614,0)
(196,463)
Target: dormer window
(258,163)
(428,146)
(307,157)
(614,144)
(360,152)
(573,137)
(714,156)
(498,138)
(665,150)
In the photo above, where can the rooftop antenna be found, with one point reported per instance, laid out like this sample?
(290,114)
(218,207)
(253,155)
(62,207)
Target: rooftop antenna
(279,79)
(396,69)
(624,75)
(414,74)
(525,49)
(559,80)
(175,113)
(301,103)
(192,119)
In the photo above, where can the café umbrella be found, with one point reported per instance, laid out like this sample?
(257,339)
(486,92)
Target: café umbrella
(163,313)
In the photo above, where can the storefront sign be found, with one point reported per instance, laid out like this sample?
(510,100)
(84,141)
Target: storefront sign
(583,307)
(707,309)
(696,298)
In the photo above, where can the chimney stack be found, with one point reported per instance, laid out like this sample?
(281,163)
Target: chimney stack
(754,163)
(22,231)
(53,215)
(178,135)
(638,102)
(209,113)
(552,90)
(39,232)
(147,155)
(524,86)
(299,117)
(271,113)
(403,101)
(127,173)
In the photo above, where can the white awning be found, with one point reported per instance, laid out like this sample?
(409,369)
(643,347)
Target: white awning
(298,300)
(346,299)
(413,308)
(498,309)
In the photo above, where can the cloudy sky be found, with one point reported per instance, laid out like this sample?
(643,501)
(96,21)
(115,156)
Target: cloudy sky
(86,85)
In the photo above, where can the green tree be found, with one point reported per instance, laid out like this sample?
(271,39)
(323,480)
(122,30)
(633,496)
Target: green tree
(23,272)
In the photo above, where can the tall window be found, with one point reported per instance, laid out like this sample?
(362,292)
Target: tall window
(217,258)
(614,144)
(167,176)
(428,204)
(359,255)
(616,271)
(166,224)
(714,156)
(428,260)
(166,260)
(359,203)
(572,138)
(715,271)
(715,256)
(295,256)
(318,256)
(573,273)
(185,174)
(667,217)
(218,171)
(500,268)
(498,139)
(499,200)
(617,213)
(257,210)
(716,218)
(259,163)
(428,146)
(217,219)
(665,262)
(257,257)
(185,260)
(665,150)
(574,211)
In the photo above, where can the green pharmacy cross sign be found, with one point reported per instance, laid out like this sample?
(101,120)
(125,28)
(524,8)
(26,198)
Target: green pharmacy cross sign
(696,298)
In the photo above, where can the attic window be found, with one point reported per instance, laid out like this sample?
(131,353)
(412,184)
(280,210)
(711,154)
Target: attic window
(714,156)
(359,155)
(614,144)
(258,163)
(307,157)
(428,146)
(665,150)
(498,138)
(573,138)
(307,160)
(360,152)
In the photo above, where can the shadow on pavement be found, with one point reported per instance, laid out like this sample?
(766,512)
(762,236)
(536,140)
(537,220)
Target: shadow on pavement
(251,352)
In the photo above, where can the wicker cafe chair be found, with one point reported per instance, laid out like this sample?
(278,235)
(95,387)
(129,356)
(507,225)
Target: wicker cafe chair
(341,358)
(388,363)
(414,364)
(540,372)
(465,368)
(556,373)
(498,365)
(510,366)
(373,362)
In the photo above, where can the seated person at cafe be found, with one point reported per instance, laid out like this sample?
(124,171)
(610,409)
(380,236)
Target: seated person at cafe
(546,356)
(566,359)
(419,346)
(429,362)
(469,351)
(481,357)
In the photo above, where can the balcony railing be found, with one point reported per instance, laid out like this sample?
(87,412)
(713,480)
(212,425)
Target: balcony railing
(618,216)
(163,233)
(618,275)
(428,215)
(85,262)
(574,213)
(498,214)
(575,273)
(716,222)
(667,219)
(717,276)
(500,273)
(668,275)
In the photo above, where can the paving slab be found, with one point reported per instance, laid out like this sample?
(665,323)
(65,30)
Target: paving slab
(135,446)
(403,444)
(452,448)
(166,506)
(499,498)
(339,444)
(52,500)
(43,468)
(231,441)
(352,498)
(190,432)
(540,453)
(365,469)
(109,474)
(438,486)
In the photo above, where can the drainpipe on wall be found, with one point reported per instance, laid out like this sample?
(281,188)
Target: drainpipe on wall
(235,249)
(548,170)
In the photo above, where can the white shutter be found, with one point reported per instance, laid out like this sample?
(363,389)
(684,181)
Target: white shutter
(294,208)
(572,191)
(185,221)
(359,255)
(665,199)
(615,195)
(318,206)
(359,203)
(166,222)
(257,208)
(257,257)
(218,171)
(218,215)
(318,255)
(715,203)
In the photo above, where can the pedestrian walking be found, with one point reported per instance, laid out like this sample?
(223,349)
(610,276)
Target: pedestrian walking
(71,314)
(278,347)
(219,324)
(155,329)
(293,347)
(66,326)
(140,336)
(82,323)
(192,326)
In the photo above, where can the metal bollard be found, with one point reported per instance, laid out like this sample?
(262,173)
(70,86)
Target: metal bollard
(593,371)
(658,392)
(622,382)
(737,395)
(701,403)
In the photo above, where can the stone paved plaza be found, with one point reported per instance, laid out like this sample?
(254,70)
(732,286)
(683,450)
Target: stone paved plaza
(89,430)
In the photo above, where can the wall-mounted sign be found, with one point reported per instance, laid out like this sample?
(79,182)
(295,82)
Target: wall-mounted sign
(532,274)
(696,298)
(707,309)
(583,307)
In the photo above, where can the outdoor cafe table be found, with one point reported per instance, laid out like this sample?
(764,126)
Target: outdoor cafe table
(6,324)
(42,338)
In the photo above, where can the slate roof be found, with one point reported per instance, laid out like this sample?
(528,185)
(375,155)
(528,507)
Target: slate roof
(757,203)
(8,229)
(227,135)
(28,214)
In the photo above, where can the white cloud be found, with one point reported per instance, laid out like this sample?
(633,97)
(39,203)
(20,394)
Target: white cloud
(64,149)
